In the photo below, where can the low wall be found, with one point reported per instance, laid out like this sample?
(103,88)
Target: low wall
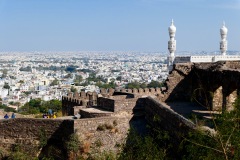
(125,105)
(90,114)
(27,132)
(105,133)
(159,115)
(117,104)
(106,103)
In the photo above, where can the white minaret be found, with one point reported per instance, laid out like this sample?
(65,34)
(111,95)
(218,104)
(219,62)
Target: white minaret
(223,42)
(171,44)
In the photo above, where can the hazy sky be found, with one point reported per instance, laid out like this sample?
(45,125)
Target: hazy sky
(116,25)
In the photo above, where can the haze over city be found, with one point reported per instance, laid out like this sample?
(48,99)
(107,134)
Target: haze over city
(110,25)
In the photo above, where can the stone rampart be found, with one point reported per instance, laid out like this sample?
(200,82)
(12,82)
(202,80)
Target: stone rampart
(160,115)
(117,104)
(77,99)
(91,99)
(85,113)
(143,92)
(125,105)
(105,133)
(106,103)
(29,132)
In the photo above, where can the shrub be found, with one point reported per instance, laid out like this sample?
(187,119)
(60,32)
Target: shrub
(73,144)
(98,143)
(224,144)
(101,128)
(115,123)
(104,127)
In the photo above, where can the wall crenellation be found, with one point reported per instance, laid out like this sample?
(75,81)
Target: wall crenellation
(109,99)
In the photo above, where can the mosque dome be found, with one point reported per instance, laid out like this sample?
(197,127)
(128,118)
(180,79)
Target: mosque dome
(224,29)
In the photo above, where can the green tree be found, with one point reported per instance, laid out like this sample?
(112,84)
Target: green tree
(73,145)
(35,106)
(106,85)
(21,81)
(26,69)
(31,107)
(221,144)
(73,89)
(4,73)
(78,79)
(69,75)
(11,103)
(54,82)
(154,84)
(148,147)
(71,68)
(6,108)
(92,77)
(119,78)
(6,86)
(133,85)
(53,104)
(143,85)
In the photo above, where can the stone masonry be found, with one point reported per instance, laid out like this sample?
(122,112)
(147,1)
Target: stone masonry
(214,85)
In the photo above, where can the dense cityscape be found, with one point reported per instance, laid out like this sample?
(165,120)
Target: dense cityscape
(51,75)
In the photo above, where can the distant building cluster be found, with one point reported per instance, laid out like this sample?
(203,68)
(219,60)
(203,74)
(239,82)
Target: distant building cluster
(26,76)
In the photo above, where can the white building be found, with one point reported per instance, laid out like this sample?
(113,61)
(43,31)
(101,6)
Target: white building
(211,58)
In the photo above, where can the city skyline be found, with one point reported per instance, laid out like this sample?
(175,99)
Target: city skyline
(134,25)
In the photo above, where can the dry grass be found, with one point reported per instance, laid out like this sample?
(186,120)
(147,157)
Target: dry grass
(86,147)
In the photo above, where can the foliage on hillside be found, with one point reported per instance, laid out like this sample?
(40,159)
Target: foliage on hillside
(151,146)
(6,108)
(222,145)
(152,84)
(35,106)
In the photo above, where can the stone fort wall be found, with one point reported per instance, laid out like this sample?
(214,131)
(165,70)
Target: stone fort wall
(95,134)
(109,99)
(159,115)
(28,132)
(105,133)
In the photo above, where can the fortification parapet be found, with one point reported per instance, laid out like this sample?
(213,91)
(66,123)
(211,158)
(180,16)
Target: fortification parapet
(119,97)
(135,91)
(76,95)
(140,91)
(152,90)
(146,90)
(83,94)
(129,90)
(103,91)
(123,90)
(91,98)
(111,91)
(88,95)
(70,94)
(94,95)
(158,90)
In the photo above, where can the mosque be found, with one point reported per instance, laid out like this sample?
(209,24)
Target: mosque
(211,58)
